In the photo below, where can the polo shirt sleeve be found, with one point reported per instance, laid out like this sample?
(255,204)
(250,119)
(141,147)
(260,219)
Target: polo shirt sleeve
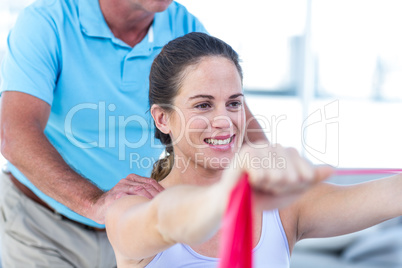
(189,22)
(199,27)
(31,64)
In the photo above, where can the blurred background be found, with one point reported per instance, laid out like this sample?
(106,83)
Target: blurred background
(326,75)
(322,76)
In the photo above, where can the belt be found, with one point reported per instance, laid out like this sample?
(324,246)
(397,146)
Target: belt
(28,193)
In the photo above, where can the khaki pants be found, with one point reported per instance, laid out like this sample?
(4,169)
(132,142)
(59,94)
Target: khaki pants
(33,236)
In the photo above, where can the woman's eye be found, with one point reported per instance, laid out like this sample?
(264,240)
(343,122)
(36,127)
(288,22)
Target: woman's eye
(203,106)
(235,104)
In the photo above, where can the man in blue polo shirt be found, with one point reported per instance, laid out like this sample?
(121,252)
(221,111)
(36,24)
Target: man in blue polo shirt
(74,123)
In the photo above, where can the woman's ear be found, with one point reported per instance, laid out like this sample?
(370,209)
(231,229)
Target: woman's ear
(161,118)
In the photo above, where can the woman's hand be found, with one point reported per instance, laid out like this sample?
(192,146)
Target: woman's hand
(278,175)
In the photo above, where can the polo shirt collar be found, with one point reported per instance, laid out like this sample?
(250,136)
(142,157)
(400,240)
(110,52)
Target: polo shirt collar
(162,28)
(91,18)
(93,24)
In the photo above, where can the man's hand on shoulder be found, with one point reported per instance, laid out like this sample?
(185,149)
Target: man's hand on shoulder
(131,185)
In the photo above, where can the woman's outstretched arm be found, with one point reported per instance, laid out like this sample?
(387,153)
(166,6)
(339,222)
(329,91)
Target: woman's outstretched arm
(331,210)
(139,228)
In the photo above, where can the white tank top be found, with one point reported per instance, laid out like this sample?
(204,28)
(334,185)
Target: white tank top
(271,251)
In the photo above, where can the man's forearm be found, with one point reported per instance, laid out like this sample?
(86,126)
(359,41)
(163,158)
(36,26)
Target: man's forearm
(32,153)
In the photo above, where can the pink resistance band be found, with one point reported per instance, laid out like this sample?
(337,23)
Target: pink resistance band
(368,171)
(237,235)
(237,239)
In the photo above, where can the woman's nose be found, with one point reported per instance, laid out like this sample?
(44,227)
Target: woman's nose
(222,121)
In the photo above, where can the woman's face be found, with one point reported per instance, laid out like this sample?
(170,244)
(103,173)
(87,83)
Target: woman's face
(208,123)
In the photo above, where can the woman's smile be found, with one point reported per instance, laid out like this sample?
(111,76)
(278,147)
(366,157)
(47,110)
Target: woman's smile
(221,143)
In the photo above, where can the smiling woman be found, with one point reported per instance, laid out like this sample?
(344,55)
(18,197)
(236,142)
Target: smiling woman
(202,122)
(200,105)
(197,104)
(214,121)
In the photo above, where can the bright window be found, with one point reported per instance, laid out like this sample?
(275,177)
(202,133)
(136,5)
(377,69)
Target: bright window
(358,48)
(266,34)
(339,62)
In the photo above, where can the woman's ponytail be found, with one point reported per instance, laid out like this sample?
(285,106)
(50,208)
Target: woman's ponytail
(163,166)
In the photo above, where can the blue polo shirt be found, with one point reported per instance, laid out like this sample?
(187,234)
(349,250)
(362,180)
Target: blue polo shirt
(63,52)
